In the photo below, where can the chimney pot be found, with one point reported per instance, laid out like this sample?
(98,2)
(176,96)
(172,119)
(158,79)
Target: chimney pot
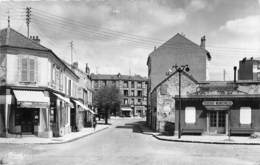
(203,42)
(75,65)
(235,74)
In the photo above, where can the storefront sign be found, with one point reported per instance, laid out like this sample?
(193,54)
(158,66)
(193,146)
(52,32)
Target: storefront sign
(217,103)
(32,104)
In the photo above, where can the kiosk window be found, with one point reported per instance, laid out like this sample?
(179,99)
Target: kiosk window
(190,115)
(245,115)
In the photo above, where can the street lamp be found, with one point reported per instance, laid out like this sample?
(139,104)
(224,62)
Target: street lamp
(179,69)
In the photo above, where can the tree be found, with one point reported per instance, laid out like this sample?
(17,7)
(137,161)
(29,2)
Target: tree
(107,100)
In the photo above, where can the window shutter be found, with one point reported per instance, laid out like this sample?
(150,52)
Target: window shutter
(37,74)
(32,70)
(24,69)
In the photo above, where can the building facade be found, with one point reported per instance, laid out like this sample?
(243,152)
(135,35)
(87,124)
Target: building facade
(36,87)
(132,88)
(249,69)
(180,51)
(82,114)
(207,107)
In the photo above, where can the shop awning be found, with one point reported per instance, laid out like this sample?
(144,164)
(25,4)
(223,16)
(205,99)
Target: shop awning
(84,106)
(126,109)
(65,99)
(26,98)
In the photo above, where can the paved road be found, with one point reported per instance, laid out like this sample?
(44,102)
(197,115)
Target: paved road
(119,145)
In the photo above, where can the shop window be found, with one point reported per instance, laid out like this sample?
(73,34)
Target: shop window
(52,115)
(36,116)
(245,115)
(190,115)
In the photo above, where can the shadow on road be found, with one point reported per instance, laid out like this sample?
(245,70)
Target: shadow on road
(137,127)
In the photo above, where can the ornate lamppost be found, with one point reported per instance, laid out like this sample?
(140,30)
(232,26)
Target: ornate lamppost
(179,69)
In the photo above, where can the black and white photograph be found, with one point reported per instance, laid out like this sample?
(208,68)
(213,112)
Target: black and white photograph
(129,82)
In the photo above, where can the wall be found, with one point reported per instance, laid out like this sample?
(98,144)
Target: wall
(163,58)
(14,75)
(165,103)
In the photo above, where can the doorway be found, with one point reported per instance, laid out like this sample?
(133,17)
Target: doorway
(27,117)
(217,122)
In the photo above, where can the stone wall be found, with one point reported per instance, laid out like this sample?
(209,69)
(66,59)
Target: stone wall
(165,102)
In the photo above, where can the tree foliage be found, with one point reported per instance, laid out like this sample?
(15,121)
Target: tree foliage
(107,100)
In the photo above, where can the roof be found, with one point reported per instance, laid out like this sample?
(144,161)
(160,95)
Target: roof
(117,77)
(10,37)
(179,41)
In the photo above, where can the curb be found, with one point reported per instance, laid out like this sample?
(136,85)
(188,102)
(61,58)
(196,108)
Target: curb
(60,142)
(199,142)
(203,142)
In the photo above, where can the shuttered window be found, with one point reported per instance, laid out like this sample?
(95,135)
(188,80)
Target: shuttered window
(245,115)
(190,115)
(28,70)
(24,75)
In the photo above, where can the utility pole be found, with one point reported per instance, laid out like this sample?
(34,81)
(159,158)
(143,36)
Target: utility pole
(71,52)
(28,19)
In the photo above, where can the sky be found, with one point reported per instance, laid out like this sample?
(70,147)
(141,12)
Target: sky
(115,36)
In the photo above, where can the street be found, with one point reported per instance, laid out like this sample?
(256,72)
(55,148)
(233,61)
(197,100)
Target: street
(122,145)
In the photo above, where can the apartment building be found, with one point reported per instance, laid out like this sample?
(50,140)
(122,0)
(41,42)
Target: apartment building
(132,88)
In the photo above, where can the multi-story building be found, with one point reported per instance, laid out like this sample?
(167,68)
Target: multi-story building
(83,116)
(249,69)
(177,51)
(35,88)
(132,88)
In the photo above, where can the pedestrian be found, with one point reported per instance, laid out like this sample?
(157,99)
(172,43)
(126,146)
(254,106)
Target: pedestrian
(94,122)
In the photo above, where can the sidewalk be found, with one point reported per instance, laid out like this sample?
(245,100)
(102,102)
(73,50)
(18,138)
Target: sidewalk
(55,140)
(207,139)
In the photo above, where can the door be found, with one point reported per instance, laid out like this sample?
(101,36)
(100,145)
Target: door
(27,120)
(217,121)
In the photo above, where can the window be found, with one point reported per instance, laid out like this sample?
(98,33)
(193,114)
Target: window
(139,85)
(258,76)
(139,101)
(125,92)
(125,85)
(132,93)
(125,101)
(69,88)
(96,84)
(132,84)
(139,93)
(28,70)
(190,115)
(65,85)
(245,115)
(133,101)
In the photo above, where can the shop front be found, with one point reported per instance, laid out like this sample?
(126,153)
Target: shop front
(126,111)
(227,115)
(60,114)
(30,113)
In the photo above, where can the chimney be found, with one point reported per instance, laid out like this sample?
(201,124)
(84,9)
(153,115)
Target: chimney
(235,74)
(35,39)
(87,70)
(75,65)
(203,42)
